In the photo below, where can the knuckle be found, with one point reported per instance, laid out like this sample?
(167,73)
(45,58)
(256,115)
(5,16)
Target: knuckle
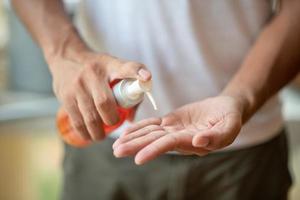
(79,80)
(133,66)
(95,71)
(215,145)
(140,65)
(91,66)
(78,125)
(68,98)
(116,64)
(94,68)
(91,118)
(174,139)
(105,58)
(119,61)
(103,102)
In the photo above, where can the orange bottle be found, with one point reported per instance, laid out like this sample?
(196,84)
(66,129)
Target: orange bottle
(127,92)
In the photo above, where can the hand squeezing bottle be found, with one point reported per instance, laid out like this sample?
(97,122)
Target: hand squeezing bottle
(128,93)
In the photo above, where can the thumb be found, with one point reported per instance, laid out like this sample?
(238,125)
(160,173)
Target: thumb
(131,70)
(200,141)
(210,140)
(220,135)
(203,139)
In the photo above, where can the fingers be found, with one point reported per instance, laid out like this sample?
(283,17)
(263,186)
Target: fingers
(202,139)
(104,102)
(76,120)
(179,140)
(95,100)
(210,140)
(106,107)
(90,115)
(119,69)
(144,74)
(134,70)
(84,91)
(141,124)
(114,69)
(164,144)
(192,151)
(96,85)
(219,136)
(153,140)
(133,146)
(136,134)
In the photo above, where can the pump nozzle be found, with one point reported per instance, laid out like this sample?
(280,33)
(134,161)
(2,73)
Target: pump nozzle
(137,87)
(130,92)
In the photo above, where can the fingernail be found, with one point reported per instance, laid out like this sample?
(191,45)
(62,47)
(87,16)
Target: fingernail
(138,161)
(117,153)
(202,142)
(144,74)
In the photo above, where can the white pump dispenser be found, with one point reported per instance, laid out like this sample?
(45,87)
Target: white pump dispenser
(130,92)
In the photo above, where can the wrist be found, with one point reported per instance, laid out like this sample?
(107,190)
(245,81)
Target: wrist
(245,100)
(67,45)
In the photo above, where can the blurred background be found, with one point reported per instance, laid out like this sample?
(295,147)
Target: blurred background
(30,150)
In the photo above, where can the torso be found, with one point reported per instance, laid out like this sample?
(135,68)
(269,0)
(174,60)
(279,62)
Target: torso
(193,48)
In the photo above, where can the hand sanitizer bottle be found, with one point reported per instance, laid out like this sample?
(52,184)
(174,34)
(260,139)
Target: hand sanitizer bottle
(128,93)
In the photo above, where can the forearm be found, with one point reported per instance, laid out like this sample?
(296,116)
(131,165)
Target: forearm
(50,26)
(273,61)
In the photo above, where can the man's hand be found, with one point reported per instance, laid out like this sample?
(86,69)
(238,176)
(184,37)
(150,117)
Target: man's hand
(83,89)
(196,128)
(80,77)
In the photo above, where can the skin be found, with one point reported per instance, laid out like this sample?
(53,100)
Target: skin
(195,128)
(81,76)
(214,123)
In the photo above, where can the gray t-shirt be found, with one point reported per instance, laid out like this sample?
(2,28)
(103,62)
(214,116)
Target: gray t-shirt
(193,48)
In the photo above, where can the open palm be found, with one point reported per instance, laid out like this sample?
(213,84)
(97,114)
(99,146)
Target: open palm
(195,128)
